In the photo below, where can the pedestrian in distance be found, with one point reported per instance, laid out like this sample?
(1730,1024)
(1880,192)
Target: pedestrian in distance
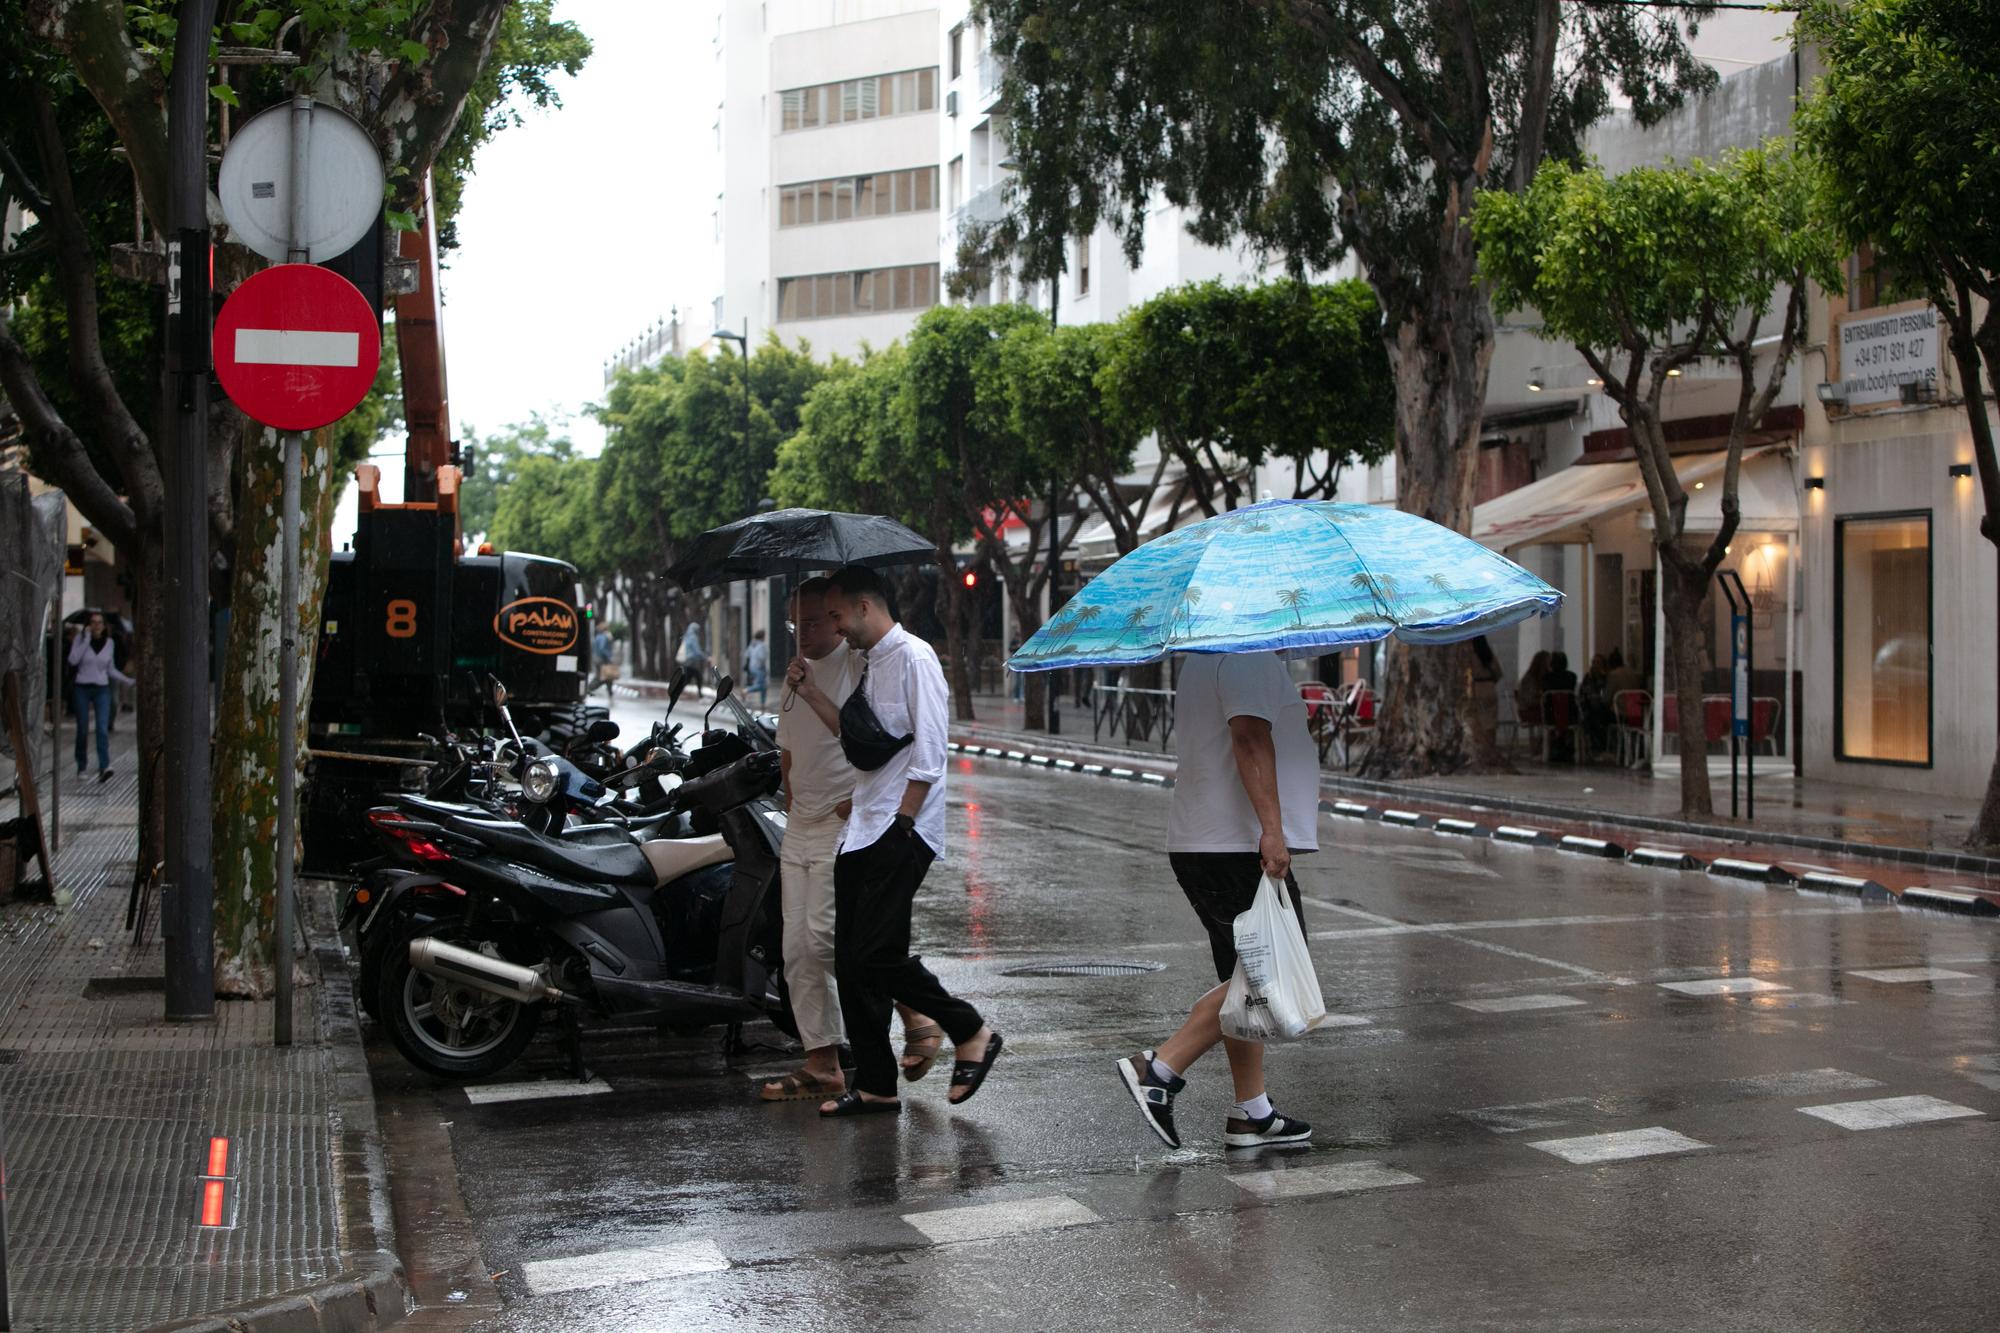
(1246,801)
(892,729)
(756,666)
(693,656)
(94,658)
(606,654)
(819,784)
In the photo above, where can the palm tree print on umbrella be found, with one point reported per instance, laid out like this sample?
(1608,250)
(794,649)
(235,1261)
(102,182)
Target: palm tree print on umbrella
(1190,599)
(1292,599)
(1074,620)
(1443,585)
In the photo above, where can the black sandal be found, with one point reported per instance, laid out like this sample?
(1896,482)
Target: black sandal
(969,1074)
(853,1103)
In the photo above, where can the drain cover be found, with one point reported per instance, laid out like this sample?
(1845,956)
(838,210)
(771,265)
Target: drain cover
(1084,969)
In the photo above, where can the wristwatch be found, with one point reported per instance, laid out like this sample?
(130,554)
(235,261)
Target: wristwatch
(904,823)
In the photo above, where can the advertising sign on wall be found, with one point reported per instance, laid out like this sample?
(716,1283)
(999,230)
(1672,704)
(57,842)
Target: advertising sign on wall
(1883,350)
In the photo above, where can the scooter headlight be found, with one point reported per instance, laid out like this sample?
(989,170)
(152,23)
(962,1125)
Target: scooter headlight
(538,783)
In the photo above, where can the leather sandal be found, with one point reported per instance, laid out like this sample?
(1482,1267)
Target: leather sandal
(970,1074)
(924,1034)
(853,1103)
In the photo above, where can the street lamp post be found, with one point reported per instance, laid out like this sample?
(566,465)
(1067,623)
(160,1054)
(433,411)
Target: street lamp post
(742,341)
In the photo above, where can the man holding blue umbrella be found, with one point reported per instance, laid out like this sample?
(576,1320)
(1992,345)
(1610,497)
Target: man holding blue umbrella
(1234,593)
(1246,800)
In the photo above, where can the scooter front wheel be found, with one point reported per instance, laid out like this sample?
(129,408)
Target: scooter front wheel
(444,1028)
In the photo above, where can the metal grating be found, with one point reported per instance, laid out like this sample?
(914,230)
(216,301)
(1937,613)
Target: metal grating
(109,1109)
(1087,968)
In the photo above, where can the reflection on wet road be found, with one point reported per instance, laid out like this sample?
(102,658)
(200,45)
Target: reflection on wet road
(1560,1092)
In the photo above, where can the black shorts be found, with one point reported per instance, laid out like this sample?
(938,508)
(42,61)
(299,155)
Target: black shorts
(1221,886)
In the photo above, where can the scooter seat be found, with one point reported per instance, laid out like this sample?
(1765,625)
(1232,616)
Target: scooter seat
(671,858)
(589,862)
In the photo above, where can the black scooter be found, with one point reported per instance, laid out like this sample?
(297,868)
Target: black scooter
(491,925)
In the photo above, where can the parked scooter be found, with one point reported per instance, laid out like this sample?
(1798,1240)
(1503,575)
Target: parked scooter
(494,925)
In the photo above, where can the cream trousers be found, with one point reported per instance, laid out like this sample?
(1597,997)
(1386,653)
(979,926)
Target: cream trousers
(807,864)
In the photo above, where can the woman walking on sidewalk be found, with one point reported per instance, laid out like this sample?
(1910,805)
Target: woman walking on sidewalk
(94,656)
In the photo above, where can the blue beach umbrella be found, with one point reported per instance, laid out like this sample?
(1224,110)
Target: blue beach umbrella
(1288,574)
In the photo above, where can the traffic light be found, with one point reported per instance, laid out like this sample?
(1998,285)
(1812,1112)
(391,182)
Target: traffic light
(972,578)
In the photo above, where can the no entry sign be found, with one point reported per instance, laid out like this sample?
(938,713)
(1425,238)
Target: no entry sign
(296,347)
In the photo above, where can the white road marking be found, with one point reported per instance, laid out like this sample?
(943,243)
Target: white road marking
(650,1263)
(1898,975)
(297,347)
(1723,986)
(1888,1112)
(987,1220)
(1343,1021)
(1515,1003)
(1344,1178)
(1343,909)
(1618,1146)
(482,1094)
(1574,969)
(1529,923)
(1804,1082)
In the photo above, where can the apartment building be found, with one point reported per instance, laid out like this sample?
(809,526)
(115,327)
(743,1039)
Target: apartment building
(827,216)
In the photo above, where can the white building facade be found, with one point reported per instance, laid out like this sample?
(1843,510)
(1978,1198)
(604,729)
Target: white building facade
(827,215)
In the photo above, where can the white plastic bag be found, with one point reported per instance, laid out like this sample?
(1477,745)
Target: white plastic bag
(1274,995)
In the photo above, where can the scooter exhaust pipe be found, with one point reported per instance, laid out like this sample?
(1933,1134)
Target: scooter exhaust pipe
(448,962)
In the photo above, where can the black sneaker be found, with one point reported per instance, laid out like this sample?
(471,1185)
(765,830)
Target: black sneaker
(103,776)
(1273,1128)
(1155,1098)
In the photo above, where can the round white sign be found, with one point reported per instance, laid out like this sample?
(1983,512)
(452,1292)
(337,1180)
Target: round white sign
(343,184)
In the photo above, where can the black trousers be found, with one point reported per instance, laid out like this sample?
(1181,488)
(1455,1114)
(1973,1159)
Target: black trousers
(873,889)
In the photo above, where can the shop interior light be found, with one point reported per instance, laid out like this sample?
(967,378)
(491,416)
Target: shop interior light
(1535,380)
(1673,372)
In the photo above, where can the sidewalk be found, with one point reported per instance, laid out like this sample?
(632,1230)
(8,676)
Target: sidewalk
(1813,815)
(109,1111)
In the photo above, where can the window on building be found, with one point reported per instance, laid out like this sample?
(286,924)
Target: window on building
(843,197)
(1083,266)
(867,291)
(1882,638)
(901,94)
(957,51)
(955,184)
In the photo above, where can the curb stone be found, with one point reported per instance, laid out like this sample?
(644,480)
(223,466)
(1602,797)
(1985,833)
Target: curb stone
(371,1293)
(1949,900)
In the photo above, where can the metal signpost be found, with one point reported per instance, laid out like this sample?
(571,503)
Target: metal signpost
(296,347)
(1742,641)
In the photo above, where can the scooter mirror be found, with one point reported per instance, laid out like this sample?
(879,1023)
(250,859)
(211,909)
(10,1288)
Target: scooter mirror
(723,689)
(675,684)
(499,691)
(603,729)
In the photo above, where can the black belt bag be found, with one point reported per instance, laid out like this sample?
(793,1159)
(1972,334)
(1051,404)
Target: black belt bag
(862,737)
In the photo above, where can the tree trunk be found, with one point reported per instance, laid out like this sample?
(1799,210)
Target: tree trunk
(1439,353)
(149,667)
(246,734)
(1682,607)
(951,610)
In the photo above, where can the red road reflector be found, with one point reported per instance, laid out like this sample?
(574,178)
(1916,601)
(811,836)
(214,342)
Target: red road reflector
(212,1192)
(216,1195)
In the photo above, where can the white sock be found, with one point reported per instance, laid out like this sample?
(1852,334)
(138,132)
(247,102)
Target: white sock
(1164,1071)
(1256,1108)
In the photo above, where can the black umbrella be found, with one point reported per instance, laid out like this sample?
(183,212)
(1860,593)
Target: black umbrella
(797,541)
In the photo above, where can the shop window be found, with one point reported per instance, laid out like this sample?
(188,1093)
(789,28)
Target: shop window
(1882,638)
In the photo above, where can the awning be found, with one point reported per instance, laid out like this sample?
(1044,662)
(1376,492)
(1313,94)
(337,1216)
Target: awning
(1561,509)
(1098,540)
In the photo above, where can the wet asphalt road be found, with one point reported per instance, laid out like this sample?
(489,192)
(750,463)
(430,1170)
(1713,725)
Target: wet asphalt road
(1505,1009)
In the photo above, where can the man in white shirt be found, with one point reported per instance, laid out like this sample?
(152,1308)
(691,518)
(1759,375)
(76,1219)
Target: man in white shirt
(893,729)
(818,782)
(1246,800)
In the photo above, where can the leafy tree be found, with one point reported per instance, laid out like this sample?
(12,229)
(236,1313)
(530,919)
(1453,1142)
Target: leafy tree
(1314,127)
(497,463)
(1900,129)
(1059,405)
(1647,273)
(1232,377)
(551,509)
(82,122)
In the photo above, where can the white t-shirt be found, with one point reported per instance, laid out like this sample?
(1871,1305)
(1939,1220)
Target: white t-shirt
(1211,811)
(821,776)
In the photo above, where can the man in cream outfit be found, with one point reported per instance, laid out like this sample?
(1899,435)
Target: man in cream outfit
(818,784)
